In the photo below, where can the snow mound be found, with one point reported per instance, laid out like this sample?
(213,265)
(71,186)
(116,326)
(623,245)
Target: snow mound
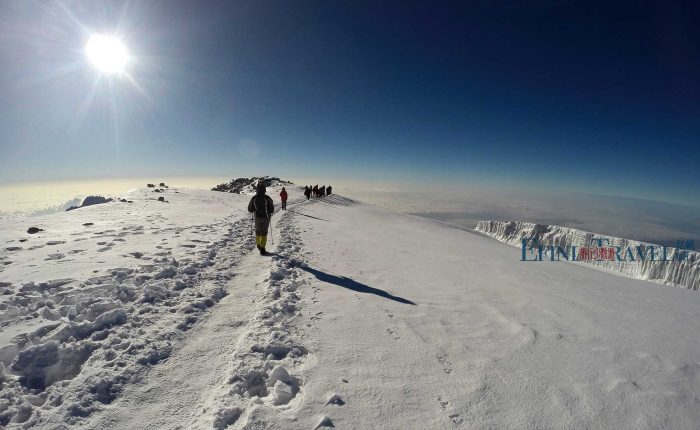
(684,273)
(41,365)
(55,209)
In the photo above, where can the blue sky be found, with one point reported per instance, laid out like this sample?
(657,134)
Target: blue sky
(574,96)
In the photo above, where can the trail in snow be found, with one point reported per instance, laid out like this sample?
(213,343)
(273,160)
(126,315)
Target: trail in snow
(170,394)
(235,365)
(263,376)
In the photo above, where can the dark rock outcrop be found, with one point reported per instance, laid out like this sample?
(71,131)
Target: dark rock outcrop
(94,200)
(89,201)
(240,185)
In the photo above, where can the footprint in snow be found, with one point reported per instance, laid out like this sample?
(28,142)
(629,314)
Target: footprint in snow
(444,404)
(456,418)
(446,365)
(393,334)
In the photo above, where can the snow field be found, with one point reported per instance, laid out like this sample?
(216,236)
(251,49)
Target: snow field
(72,345)
(490,342)
(361,318)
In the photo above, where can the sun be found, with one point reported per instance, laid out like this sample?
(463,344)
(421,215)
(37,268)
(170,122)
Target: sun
(106,53)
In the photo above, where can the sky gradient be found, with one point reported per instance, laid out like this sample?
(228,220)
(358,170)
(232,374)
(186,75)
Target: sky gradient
(572,96)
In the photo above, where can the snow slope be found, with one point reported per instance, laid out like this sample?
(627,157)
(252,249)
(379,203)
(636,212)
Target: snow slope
(685,273)
(362,318)
(490,342)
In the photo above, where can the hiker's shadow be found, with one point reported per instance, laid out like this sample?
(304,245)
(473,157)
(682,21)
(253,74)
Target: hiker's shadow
(309,216)
(353,285)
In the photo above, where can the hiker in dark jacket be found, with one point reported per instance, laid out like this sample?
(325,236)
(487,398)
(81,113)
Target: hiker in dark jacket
(261,205)
(322,191)
(307,192)
(329,190)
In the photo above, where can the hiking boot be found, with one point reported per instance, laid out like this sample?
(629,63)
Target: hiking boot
(262,251)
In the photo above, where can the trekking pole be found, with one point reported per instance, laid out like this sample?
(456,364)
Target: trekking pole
(272,236)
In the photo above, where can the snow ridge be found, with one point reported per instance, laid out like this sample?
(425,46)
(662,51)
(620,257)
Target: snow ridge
(684,273)
(48,210)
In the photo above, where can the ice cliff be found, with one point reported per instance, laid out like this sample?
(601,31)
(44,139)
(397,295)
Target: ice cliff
(684,273)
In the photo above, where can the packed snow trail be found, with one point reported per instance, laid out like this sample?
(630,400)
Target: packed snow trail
(171,393)
(244,334)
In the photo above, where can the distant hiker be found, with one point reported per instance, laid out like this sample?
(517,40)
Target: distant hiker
(307,192)
(329,190)
(322,191)
(315,190)
(283,196)
(261,205)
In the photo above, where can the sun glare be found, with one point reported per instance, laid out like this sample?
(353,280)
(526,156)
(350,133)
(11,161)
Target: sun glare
(106,53)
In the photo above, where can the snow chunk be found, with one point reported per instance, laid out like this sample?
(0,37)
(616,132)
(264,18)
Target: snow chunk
(282,393)
(324,422)
(41,365)
(226,417)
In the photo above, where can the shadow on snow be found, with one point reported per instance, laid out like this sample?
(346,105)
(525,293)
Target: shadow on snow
(310,216)
(353,285)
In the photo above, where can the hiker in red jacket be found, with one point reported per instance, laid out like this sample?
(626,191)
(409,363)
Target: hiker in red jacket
(283,196)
